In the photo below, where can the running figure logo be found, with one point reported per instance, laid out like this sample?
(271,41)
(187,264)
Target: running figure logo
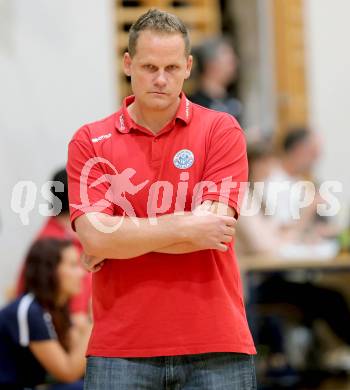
(120,185)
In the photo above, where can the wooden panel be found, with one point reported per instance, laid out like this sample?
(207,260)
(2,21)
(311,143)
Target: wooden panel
(202,18)
(290,64)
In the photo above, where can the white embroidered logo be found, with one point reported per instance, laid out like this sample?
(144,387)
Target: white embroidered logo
(187,108)
(121,121)
(101,137)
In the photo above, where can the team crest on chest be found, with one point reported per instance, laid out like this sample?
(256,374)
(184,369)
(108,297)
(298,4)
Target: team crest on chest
(183,159)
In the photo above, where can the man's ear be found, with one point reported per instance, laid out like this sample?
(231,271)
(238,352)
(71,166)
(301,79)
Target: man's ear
(127,64)
(188,67)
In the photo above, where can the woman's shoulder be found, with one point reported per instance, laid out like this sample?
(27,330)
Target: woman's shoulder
(13,315)
(24,304)
(18,304)
(25,319)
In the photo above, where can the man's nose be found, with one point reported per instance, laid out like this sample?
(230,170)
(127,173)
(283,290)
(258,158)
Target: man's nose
(160,79)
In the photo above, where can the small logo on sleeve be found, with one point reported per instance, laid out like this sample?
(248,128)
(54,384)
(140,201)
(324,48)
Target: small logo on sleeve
(101,137)
(183,159)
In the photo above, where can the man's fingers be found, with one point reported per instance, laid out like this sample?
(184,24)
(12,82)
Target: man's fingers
(227,239)
(95,260)
(222,247)
(230,231)
(90,265)
(85,262)
(229,221)
(88,268)
(91,261)
(97,267)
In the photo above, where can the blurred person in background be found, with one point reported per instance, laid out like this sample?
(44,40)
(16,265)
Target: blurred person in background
(262,235)
(58,226)
(266,235)
(217,65)
(301,150)
(37,337)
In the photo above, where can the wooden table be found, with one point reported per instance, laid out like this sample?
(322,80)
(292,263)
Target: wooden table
(265,263)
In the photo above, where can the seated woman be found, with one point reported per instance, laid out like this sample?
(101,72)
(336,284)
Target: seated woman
(58,226)
(258,234)
(37,338)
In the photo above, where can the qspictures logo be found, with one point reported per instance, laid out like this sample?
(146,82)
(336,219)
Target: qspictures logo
(120,187)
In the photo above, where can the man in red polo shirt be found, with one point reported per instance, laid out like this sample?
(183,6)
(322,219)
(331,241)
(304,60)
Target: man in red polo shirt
(154,195)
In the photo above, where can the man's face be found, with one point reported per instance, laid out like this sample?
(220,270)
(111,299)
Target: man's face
(158,69)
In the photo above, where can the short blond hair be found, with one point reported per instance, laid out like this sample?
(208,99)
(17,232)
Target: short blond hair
(160,21)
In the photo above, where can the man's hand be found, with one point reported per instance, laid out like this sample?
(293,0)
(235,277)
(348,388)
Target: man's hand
(210,226)
(92,263)
(208,230)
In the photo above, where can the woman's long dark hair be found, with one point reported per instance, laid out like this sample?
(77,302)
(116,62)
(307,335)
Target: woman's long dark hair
(41,279)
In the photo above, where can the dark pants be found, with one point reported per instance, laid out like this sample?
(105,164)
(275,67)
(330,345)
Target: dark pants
(79,385)
(313,302)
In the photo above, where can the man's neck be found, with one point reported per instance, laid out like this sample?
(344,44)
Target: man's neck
(153,120)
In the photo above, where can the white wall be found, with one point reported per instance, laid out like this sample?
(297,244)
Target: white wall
(56,73)
(327,32)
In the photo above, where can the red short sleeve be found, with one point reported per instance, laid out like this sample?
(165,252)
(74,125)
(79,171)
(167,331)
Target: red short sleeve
(88,182)
(226,164)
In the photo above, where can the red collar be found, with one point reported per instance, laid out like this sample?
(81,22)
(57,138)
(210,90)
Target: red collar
(124,123)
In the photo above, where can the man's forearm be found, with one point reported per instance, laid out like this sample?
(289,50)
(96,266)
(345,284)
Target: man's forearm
(130,239)
(187,247)
(104,236)
(178,249)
